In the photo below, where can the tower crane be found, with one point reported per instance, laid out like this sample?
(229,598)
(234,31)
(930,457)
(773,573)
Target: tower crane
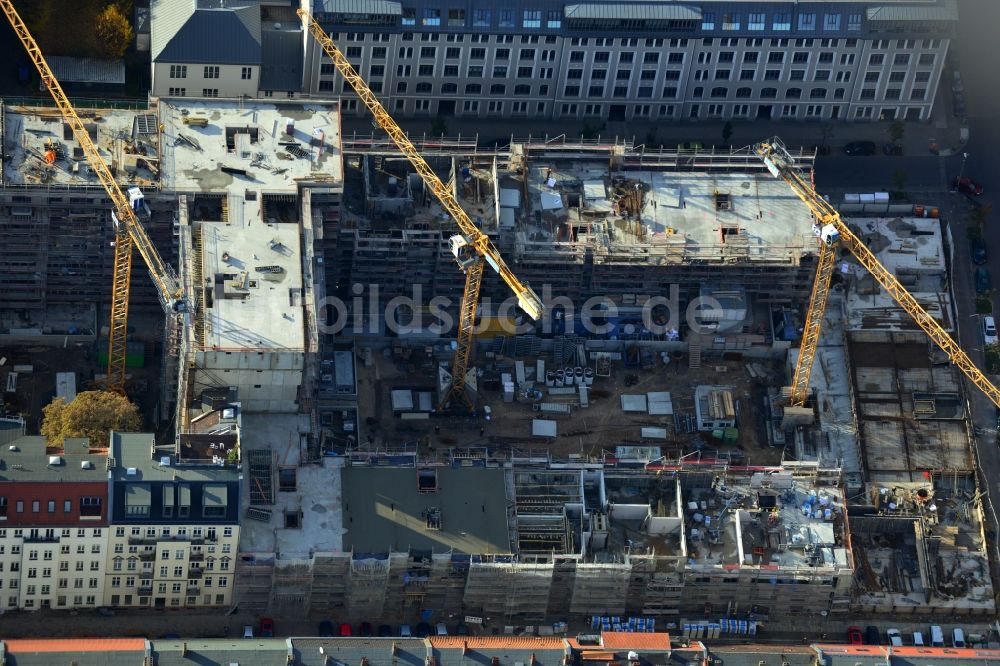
(832,233)
(472,248)
(129,232)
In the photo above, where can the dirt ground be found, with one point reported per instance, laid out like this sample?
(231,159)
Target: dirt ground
(37,389)
(585,431)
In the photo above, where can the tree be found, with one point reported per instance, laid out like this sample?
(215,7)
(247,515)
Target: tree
(114,32)
(896,131)
(727,133)
(899,180)
(92,414)
(439,127)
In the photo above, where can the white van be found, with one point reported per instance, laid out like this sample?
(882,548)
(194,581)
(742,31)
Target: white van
(937,636)
(989,331)
(918,639)
(895,638)
(957,638)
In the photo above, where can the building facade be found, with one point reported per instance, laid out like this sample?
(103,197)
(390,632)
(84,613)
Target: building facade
(53,524)
(174,527)
(619,61)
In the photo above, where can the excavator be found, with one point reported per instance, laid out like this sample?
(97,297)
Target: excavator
(833,233)
(129,232)
(471,247)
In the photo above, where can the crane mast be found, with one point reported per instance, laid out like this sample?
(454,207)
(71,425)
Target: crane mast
(129,232)
(833,232)
(472,248)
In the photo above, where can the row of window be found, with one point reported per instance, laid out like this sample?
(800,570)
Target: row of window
(60,601)
(132,564)
(205,92)
(47,533)
(528,19)
(196,532)
(116,600)
(780,21)
(208,72)
(89,506)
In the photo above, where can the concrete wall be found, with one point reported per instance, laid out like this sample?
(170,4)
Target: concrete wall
(267,381)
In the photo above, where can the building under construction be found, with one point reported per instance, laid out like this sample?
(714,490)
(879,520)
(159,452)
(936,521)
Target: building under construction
(529,544)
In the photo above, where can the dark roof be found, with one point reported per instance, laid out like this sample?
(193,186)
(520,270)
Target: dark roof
(221,652)
(409,651)
(87,70)
(206,33)
(753,655)
(281,60)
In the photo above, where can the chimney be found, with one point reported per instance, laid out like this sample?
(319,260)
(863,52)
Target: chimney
(465,647)
(392,650)
(184,649)
(532,661)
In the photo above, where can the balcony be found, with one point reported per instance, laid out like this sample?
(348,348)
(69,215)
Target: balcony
(147,555)
(195,573)
(145,591)
(196,557)
(145,575)
(41,539)
(193,589)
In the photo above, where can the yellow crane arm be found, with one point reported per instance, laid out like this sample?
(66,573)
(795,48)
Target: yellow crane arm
(163,275)
(781,165)
(526,297)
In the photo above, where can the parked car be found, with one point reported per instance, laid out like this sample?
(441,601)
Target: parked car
(872,635)
(247,631)
(860,148)
(345,629)
(918,639)
(266,627)
(854,636)
(989,330)
(937,636)
(325,629)
(384,630)
(405,631)
(977,250)
(442,630)
(892,149)
(895,638)
(957,638)
(365,629)
(423,630)
(966,185)
(982,280)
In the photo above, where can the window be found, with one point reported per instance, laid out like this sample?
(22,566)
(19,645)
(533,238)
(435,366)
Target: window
(456,18)
(324,86)
(897,77)
(90,507)
(571,91)
(531,19)
(481,18)
(922,77)
(525,72)
(750,57)
(647,75)
(469,106)
(498,89)
(424,87)
(623,75)
(789,110)
(781,21)
(425,70)
(868,93)
(800,57)
(246,73)
(875,59)
(378,53)
(209,92)
(409,16)
(854,22)
(522,89)
(211,72)
(807,21)
(901,59)
(918,94)
(595,91)
(506,18)
(871,77)
(831,22)
(431,17)
(651,57)
(846,59)
(726,56)
(892,93)
(730,21)
(554,21)
(793,93)
(428,52)
(698,92)
(772,74)
(708,21)
(755,21)
(475,71)
(675,58)
(451,70)
(822,75)
(473,89)
(178,71)
(719,92)
(529,54)
(599,75)
(776,57)
(817,93)
(722,74)
(797,75)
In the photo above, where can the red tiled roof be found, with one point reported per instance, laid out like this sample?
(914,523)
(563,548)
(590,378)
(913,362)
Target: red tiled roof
(28,645)
(497,642)
(945,653)
(625,640)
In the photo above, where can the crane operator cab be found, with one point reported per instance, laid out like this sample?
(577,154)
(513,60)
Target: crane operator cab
(137,201)
(465,254)
(827,233)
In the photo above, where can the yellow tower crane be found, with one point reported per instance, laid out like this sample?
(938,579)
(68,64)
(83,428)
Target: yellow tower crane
(832,233)
(472,248)
(128,230)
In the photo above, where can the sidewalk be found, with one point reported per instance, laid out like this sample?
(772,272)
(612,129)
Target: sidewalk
(943,130)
